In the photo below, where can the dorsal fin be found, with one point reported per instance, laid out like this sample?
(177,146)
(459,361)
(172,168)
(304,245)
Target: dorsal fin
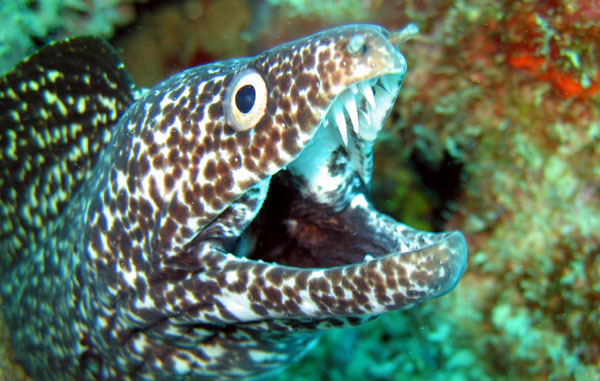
(57,110)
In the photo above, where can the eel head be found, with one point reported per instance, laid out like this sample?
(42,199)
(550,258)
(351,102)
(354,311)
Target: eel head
(259,172)
(315,247)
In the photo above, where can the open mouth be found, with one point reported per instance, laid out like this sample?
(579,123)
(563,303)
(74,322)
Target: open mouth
(316,214)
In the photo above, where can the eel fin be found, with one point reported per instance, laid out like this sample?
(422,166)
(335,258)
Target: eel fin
(57,110)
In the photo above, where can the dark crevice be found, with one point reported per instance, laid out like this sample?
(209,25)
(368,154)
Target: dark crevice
(442,183)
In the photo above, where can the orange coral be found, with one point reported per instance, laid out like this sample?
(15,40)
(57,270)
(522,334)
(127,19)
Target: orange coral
(565,83)
(541,37)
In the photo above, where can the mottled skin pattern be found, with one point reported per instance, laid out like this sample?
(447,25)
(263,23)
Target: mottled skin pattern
(136,276)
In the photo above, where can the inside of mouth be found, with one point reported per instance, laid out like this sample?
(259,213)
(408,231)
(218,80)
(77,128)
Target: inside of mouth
(293,231)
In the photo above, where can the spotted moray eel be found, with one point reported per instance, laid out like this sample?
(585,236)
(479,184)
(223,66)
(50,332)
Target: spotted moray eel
(210,227)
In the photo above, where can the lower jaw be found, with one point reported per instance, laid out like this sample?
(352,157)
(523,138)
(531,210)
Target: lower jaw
(375,263)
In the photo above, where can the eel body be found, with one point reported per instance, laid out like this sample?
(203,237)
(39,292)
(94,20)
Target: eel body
(210,227)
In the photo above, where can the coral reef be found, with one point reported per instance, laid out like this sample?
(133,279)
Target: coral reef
(510,90)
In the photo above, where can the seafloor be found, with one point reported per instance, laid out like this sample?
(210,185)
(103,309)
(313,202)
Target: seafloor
(496,133)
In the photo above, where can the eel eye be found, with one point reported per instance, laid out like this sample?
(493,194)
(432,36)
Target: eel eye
(246,100)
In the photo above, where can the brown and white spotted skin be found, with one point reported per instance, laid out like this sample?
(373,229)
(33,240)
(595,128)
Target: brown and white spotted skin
(222,226)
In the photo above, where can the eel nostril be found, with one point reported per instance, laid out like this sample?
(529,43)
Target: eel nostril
(357,44)
(404,34)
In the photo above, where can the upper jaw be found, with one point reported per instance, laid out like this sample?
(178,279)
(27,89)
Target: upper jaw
(363,107)
(359,113)
(363,104)
(343,144)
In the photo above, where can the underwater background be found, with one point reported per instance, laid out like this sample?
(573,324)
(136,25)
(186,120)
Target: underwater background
(496,133)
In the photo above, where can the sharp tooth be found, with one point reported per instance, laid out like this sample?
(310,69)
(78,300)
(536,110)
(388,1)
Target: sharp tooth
(350,106)
(367,117)
(403,247)
(340,121)
(368,93)
(388,84)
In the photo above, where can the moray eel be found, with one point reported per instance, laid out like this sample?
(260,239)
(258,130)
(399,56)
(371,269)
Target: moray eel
(210,227)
